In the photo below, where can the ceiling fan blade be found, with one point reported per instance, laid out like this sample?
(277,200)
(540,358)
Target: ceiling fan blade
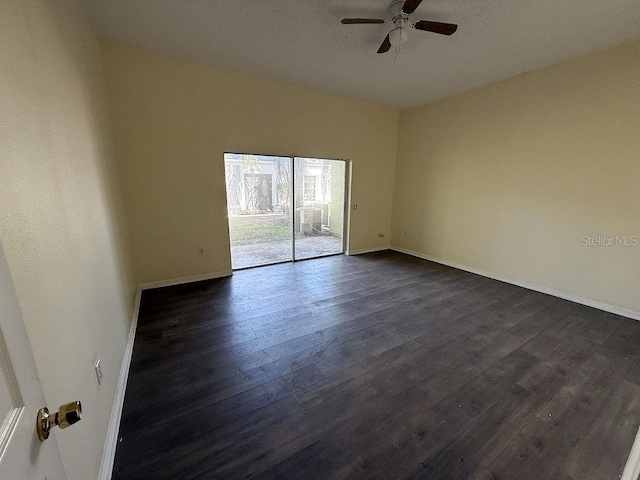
(357,21)
(386,45)
(410,6)
(436,27)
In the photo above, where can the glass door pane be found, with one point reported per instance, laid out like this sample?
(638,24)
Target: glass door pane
(259,206)
(319,207)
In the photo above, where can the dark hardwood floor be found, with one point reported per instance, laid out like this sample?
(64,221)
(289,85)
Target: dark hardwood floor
(376,366)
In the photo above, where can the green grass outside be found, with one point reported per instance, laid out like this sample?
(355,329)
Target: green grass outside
(250,229)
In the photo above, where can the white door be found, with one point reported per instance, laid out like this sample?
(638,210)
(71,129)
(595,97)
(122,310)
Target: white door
(22,455)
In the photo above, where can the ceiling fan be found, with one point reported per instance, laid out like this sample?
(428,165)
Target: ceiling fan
(402,22)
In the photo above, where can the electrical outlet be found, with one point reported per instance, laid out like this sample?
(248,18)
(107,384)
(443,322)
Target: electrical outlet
(98,368)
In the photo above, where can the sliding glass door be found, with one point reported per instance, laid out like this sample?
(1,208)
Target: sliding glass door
(282,208)
(259,207)
(319,207)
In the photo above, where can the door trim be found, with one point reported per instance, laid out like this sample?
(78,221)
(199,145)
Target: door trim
(632,467)
(111,440)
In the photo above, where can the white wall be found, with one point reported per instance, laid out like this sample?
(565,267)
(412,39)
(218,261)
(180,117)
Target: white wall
(61,223)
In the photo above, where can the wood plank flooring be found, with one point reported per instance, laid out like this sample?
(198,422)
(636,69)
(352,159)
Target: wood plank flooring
(377,366)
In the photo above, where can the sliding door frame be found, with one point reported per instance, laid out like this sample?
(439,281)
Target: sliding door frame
(292,163)
(345,203)
(346,219)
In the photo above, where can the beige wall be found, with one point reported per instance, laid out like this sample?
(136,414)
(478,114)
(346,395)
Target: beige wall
(174,119)
(509,177)
(59,221)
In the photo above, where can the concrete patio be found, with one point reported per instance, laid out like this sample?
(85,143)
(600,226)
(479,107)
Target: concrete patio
(243,256)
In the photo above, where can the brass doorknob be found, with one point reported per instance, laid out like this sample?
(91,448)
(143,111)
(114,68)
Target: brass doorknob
(67,415)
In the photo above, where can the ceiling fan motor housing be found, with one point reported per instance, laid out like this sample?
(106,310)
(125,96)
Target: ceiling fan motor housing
(400,34)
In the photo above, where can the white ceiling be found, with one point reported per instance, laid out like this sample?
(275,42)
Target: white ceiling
(302,42)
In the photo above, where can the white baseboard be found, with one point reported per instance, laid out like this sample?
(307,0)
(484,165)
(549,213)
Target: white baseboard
(367,250)
(182,280)
(632,468)
(625,312)
(111,442)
